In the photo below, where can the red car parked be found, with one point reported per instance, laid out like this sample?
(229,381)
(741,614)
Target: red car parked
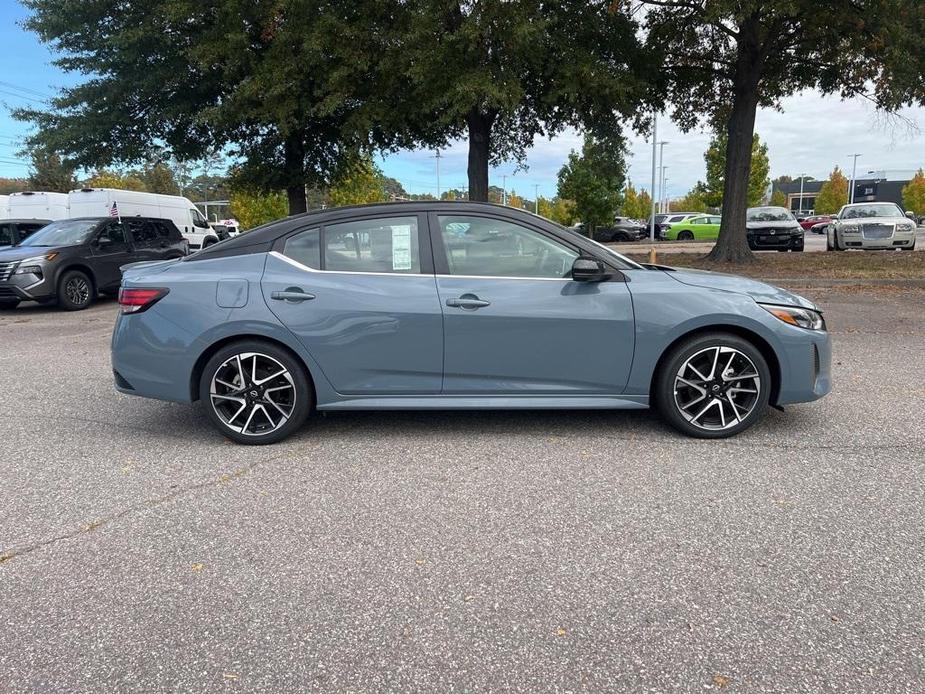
(809,222)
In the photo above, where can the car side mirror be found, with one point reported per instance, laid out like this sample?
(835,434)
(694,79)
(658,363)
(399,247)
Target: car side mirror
(103,241)
(588,270)
(910,215)
(801,219)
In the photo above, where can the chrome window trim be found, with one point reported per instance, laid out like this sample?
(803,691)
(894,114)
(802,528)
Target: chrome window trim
(306,268)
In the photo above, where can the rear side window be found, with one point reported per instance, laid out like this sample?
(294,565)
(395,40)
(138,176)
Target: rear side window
(304,248)
(387,244)
(165,229)
(6,234)
(141,231)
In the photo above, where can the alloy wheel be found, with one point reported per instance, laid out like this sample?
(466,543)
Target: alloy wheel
(253,394)
(77,291)
(717,388)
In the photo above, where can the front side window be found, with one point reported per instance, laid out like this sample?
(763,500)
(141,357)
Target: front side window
(488,247)
(387,245)
(112,238)
(6,234)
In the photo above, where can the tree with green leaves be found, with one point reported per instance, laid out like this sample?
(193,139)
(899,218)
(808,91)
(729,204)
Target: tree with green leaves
(557,209)
(360,182)
(106,178)
(693,201)
(594,180)
(733,56)
(634,205)
(914,194)
(833,194)
(282,85)
(51,173)
(502,73)
(758,177)
(252,208)
(778,199)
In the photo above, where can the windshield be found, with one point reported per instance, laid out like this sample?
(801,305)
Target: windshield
(768,214)
(883,209)
(67,232)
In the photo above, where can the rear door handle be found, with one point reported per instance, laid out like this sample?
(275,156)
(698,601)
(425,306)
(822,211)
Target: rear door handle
(467,301)
(292,294)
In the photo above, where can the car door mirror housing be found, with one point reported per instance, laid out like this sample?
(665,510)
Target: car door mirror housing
(588,270)
(103,241)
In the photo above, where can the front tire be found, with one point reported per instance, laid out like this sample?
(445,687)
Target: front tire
(75,291)
(685,236)
(255,392)
(713,386)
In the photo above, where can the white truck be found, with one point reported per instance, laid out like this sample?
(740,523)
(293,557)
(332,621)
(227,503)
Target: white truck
(98,202)
(37,205)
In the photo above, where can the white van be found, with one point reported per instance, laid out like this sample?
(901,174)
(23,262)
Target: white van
(4,206)
(98,202)
(38,205)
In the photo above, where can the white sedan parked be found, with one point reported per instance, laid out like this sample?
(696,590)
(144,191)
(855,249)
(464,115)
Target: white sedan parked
(871,226)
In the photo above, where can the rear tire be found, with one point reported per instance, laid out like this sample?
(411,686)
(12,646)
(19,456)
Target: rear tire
(712,386)
(75,291)
(261,410)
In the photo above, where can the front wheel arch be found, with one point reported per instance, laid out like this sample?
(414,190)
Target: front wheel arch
(200,365)
(762,345)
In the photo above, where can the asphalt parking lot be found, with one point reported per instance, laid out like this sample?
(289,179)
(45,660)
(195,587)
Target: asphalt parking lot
(569,551)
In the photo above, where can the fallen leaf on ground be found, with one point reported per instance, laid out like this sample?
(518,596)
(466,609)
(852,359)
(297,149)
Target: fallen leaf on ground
(720,681)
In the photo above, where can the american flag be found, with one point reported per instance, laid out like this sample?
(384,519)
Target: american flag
(114,210)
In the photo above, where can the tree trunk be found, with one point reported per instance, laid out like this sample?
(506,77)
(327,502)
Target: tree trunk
(479,142)
(732,244)
(294,168)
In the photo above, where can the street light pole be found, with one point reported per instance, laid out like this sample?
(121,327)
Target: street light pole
(802,178)
(664,187)
(661,161)
(854,170)
(536,198)
(504,189)
(437,157)
(654,145)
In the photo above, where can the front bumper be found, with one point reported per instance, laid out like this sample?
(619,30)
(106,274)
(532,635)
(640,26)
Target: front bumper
(806,373)
(789,242)
(898,239)
(29,287)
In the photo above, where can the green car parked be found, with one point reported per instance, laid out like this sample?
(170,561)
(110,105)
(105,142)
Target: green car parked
(694,228)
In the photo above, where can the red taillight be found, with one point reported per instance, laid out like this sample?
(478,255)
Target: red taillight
(141,299)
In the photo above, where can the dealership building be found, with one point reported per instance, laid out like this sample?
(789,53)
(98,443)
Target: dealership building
(874,186)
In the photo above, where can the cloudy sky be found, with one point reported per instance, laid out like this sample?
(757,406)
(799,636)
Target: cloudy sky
(810,134)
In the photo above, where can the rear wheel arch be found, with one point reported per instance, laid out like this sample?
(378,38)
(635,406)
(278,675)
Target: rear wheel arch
(762,345)
(208,353)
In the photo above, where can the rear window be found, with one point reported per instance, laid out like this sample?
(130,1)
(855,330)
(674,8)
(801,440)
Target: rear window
(304,248)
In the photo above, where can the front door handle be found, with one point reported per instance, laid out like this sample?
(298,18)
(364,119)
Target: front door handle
(470,301)
(292,294)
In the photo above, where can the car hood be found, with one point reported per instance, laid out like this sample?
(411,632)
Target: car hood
(13,253)
(759,291)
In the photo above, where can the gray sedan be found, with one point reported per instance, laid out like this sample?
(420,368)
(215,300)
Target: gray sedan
(455,306)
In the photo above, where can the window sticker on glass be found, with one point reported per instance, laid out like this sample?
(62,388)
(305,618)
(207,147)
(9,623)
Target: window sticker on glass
(401,247)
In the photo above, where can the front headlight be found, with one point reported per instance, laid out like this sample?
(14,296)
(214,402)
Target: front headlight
(800,317)
(28,270)
(849,229)
(906,228)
